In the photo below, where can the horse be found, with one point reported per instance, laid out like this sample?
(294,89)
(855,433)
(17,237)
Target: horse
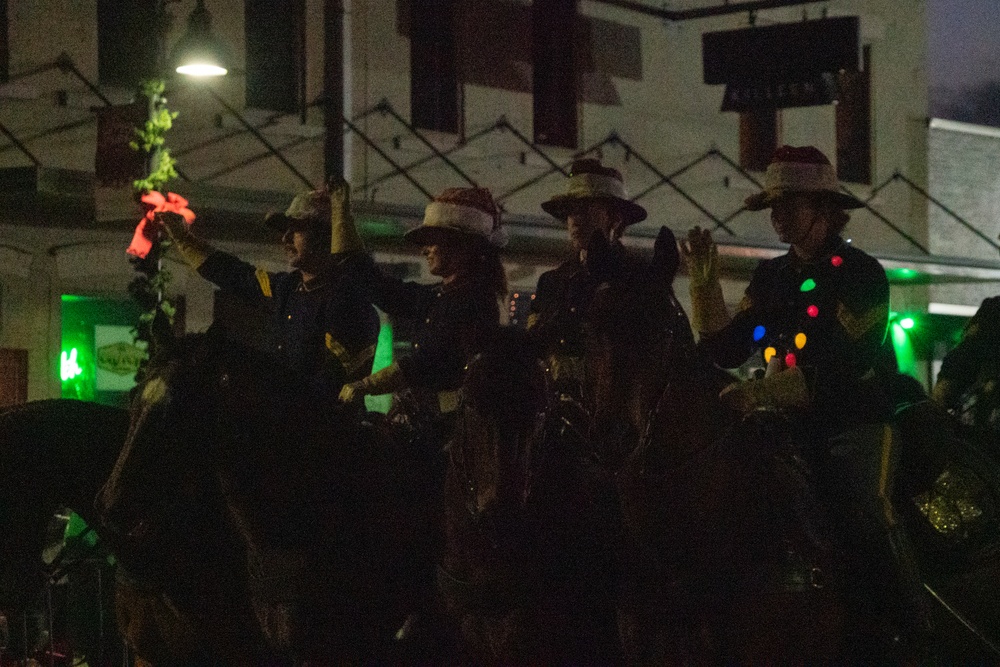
(312,521)
(710,570)
(517,574)
(54,456)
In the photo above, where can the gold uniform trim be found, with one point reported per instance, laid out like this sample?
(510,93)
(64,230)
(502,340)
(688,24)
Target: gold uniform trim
(264,280)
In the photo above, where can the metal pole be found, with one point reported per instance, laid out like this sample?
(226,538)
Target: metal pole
(333,89)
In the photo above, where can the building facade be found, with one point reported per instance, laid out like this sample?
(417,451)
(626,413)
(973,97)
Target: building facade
(443,93)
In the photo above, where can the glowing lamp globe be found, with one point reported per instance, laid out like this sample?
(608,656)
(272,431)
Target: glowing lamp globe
(199,53)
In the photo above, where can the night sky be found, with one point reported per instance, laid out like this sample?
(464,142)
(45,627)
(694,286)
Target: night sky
(963,59)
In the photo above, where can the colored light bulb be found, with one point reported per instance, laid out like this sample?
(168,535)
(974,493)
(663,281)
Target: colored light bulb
(758,332)
(790,360)
(800,340)
(768,353)
(808,285)
(813,311)
(836,260)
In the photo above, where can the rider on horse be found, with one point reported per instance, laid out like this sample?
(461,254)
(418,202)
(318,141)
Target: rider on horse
(326,328)
(460,237)
(972,370)
(595,201)
(816,318)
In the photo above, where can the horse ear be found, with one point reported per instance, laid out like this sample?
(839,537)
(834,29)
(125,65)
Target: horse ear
(666,257)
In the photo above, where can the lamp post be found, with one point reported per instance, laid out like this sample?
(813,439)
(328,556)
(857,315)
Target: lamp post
(333,89)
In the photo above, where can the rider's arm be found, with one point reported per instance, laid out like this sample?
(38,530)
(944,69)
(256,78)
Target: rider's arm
(732,345)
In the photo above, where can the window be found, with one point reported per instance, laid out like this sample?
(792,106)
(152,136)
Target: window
(553,23)
(758,138)
(853,118)
(435,92)
(275,67)
(126,52)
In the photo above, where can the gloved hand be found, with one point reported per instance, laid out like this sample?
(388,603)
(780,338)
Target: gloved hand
(353,392)
(344,233)
(701,256)
(193,250)
(784,389)
(385,381)
(708,306)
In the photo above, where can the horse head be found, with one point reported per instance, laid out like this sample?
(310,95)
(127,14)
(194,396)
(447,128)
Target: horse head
(639,342)
(503,400)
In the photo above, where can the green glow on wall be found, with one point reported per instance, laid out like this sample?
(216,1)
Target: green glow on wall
(906,358)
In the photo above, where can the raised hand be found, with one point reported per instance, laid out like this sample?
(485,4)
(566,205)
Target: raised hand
(701,256)
(344,234)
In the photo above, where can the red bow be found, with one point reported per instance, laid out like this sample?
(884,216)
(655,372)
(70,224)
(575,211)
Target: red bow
(174,203)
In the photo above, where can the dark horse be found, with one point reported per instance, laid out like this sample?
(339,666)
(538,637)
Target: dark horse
(279,523)
(520,574)
(704,556)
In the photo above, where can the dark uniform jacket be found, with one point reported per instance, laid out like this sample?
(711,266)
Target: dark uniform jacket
(973,367)
(454,321)
(829,316)
(556,321)
(325,329)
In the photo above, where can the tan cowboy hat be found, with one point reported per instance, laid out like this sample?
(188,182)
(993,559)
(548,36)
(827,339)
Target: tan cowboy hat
(795,169)
(590,181)
(469,211)
(306,210)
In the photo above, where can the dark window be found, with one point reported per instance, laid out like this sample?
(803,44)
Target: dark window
(275,32)
(553,23)
(126,41)
(853,117)
(4,43)
(758,138)
(435,94)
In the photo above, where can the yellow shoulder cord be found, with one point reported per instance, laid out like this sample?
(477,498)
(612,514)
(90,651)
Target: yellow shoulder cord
(264,280)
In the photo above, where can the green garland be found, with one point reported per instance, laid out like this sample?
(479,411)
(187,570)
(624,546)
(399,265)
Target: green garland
(149,287)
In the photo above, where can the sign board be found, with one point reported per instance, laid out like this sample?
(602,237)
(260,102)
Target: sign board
(821,89)
(118,357)
(784,65)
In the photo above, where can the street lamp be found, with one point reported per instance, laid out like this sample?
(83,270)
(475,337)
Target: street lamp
(199,53)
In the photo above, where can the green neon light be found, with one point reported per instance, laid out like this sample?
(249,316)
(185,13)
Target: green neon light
(68,366)
(904,274)
(808,285)
(907,323)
